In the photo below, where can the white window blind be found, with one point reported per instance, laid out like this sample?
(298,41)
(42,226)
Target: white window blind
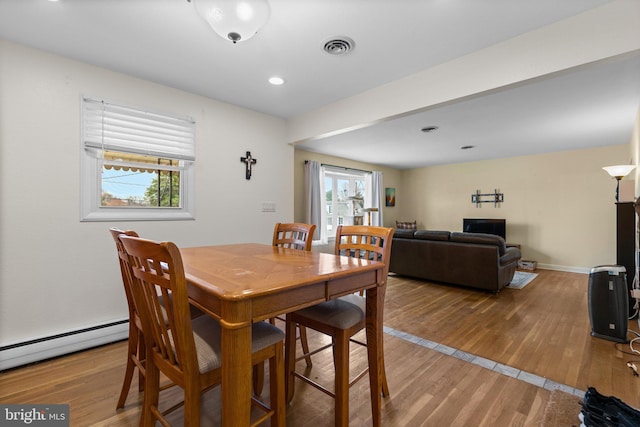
(119,128)
(124,149)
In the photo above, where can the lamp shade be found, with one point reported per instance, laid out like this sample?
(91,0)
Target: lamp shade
(619,171)
(235,20)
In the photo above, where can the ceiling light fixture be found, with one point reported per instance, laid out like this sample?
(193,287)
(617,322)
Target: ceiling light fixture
(235,20)
(276,81)
(429,129)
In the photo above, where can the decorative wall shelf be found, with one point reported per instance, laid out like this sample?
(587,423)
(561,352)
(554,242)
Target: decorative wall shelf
(494,198)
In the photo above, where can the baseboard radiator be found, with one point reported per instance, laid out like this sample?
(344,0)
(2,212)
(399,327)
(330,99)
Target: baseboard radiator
(39,349)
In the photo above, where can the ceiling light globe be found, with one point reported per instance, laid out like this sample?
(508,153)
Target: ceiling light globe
(235,20)
(276,81)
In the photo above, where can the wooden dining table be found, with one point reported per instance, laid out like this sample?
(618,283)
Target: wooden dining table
(243,283)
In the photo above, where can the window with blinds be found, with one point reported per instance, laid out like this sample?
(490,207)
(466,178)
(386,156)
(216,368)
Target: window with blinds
(137,164)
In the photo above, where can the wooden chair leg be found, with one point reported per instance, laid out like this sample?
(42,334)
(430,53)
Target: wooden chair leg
(151,395)
(192,405)
(305,345)
(142,354)
(276,387)
(132,350)
(258,371)
(341,357)
(385,386)
(258,378)
(289,358)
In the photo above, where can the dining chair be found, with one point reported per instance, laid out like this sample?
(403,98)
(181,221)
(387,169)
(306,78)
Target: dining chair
(188,351)
(341,318)
(296,236)
(293,235)
(135,347)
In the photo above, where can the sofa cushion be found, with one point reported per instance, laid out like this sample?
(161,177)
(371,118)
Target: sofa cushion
(403,234)
(480,238)
(431,235)
(406,225)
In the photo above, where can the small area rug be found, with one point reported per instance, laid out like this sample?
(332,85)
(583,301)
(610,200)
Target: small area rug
(521,279)
(561,410)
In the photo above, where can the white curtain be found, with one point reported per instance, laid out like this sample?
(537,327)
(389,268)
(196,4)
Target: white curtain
(313,199)
(377,197)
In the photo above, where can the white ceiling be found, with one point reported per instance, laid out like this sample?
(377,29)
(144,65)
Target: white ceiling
(166,42)
(591,107)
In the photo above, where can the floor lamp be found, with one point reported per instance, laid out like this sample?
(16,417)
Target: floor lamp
(618,172)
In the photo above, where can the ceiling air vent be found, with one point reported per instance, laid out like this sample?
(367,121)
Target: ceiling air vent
(339,46)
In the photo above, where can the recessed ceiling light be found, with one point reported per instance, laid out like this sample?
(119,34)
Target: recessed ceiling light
(276,81)
(467,147)
(429,129)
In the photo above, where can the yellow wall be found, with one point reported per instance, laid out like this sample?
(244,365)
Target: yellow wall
(559,206)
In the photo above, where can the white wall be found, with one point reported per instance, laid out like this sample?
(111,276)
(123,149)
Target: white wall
(58,274)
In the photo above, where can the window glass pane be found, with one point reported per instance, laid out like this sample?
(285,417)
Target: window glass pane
(140,185)
(328,188)
(359,188)
(344,196)
(343,189)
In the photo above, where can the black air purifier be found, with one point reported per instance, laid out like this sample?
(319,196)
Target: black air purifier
(608,302)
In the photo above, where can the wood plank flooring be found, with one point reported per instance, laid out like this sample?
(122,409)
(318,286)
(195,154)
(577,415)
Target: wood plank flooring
(542,330)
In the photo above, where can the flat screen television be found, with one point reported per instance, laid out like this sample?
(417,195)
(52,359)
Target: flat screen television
(485,225)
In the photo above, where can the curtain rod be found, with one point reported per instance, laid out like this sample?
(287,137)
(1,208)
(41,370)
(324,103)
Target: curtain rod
(341,167)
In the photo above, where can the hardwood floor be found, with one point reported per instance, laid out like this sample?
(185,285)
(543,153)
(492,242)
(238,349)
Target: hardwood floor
(454,356)
(543,329)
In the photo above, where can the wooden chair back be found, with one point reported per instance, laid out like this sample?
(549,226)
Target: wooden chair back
(135,348)
(124,267)
(294,235)
(160,295)
(366,242)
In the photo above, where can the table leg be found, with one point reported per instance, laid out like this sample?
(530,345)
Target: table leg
(374,325)
(236,373)
(289,358)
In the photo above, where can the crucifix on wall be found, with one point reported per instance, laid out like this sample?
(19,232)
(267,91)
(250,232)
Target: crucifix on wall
(248,162)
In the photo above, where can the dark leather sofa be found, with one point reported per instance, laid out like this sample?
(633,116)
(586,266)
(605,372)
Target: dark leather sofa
(476,260)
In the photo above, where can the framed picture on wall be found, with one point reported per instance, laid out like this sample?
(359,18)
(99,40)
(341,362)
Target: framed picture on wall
(390,196)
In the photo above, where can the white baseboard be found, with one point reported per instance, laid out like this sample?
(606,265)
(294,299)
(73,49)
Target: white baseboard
(582,270)
(35,350)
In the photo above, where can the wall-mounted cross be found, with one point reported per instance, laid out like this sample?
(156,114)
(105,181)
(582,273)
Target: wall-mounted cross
(248,162)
